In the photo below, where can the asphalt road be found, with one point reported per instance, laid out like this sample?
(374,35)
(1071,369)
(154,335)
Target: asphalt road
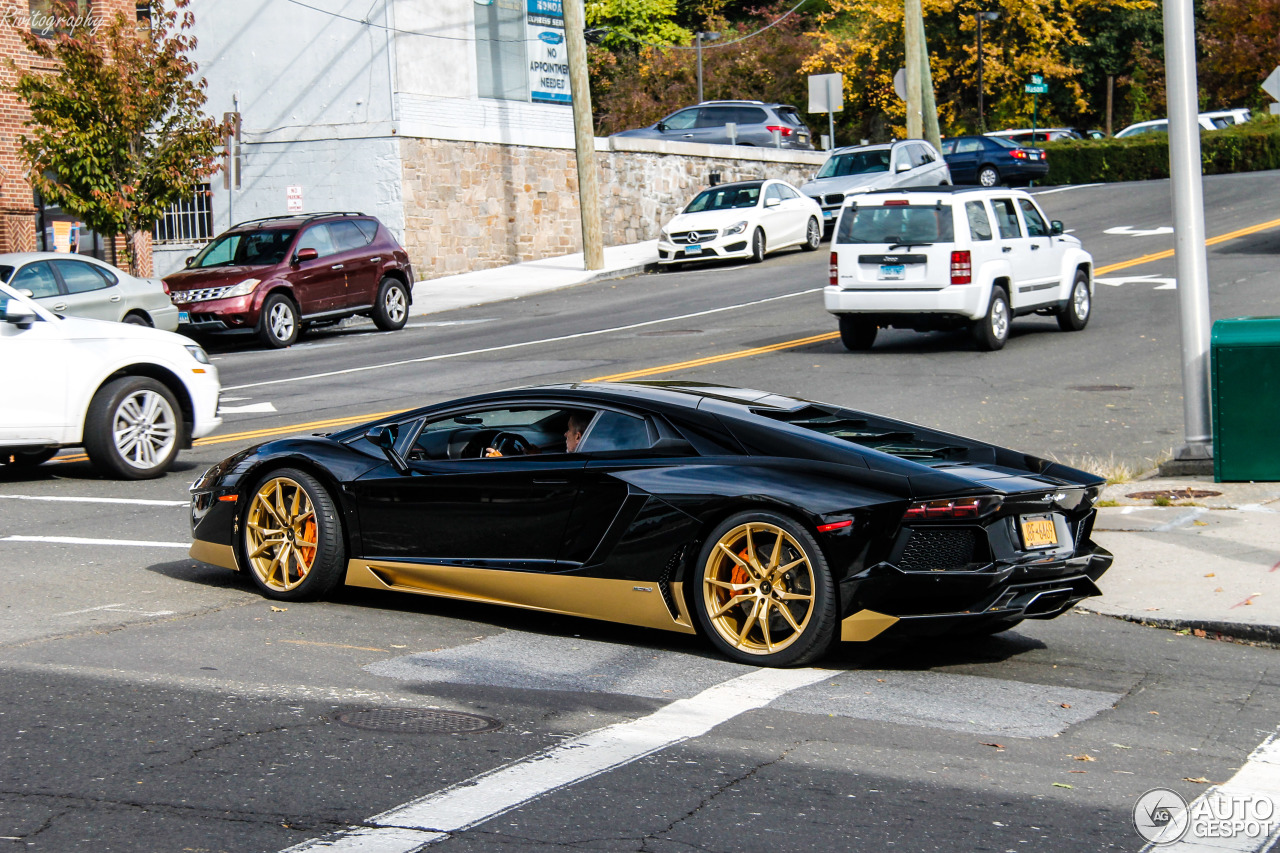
(152,703)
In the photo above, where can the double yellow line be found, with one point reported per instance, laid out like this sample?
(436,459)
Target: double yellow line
(271,432)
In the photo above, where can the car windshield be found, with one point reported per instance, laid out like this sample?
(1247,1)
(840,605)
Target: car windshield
(727,197)
(855,163)
(906,225)
(262,247)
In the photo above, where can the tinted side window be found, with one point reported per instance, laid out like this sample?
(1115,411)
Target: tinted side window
(1036,226)
(902,155)
(368,228)
(37,278)
(787,192)
(968,146)
(80,277)
(979,224)
(319,238)
(346,236)
(774,191)
(1006,218)
(682,120)
(715,116)
(790,116)
(748,115)
(616,431)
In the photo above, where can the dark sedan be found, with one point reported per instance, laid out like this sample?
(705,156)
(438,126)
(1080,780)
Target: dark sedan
(988,161)
(772,526)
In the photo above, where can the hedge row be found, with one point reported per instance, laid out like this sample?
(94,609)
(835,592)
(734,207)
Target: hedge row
(1248,147)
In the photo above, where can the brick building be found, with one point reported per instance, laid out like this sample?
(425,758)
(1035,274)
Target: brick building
(27,224)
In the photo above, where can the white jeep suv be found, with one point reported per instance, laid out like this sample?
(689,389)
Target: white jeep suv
(130,395)
(941,258)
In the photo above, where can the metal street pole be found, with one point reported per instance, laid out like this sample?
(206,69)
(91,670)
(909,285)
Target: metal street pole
(982,123)
(913,32)
(698,39)
(584,136)
(1190,259)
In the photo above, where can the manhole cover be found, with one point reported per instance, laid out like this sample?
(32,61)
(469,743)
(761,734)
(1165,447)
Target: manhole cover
(662,333)
(1100,387)
(416,721)
(1174,494)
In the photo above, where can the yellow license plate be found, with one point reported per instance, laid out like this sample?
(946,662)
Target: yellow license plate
(1038,531)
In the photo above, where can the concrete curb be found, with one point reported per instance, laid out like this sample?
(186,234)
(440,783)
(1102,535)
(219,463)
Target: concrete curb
(1239,631)
(609,275)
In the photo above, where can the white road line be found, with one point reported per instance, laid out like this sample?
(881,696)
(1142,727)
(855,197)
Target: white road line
(77,540)
(1258,781)
(116,608)
(133,501)
(250,408)
(504,347)
(1065,189)
(480,798)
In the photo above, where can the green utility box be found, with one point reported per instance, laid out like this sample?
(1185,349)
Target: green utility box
(1245,363)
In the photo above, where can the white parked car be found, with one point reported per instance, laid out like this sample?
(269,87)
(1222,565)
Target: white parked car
(747,219)
(1215,120)
(862,168)
(81,286)
(131,396)
(953,257)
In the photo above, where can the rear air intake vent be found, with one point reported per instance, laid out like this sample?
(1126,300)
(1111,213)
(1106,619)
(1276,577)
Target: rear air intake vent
(938,550)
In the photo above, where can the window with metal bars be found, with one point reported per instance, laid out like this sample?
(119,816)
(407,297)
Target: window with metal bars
(186,221)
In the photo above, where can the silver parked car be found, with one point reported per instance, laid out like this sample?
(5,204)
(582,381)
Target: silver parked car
(81,286)
(754,124)
(862,168)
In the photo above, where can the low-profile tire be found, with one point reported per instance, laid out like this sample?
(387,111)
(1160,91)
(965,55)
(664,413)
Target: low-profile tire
(988,176)
(757,246)
(25,458)
(136,319)
(857,333)
(763,593)
(278,325)
(992,330)
(133,429)
(813,235)
(391,310)
(291,537)
(1074,316)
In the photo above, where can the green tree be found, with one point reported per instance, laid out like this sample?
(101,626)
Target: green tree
(1240,45)
(117,133)
(632,23)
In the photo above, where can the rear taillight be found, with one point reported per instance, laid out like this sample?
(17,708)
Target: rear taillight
(960,508)
(961,268)
(1018,154)
(834,280)
(896,202)
(781,128)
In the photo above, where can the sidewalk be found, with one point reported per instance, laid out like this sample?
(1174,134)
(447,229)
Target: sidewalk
(1206,563)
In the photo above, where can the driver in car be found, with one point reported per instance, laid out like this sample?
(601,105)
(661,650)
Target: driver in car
(578,422)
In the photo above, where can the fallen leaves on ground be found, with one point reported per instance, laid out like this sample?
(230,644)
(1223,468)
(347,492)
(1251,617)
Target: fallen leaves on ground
(996,745)
(1063,785)
(275,609)
(1199,780)
(1085,757)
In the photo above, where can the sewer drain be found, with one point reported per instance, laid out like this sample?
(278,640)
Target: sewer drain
(1174,494)
(416,721)
(1100,387)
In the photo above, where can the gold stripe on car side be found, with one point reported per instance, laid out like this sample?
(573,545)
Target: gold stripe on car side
(210,552)
(865,625)
(627,602)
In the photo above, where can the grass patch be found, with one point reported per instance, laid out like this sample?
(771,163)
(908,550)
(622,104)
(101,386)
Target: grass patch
(1112,469)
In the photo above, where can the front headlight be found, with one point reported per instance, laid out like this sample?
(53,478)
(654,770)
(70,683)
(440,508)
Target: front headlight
(736,228)
(244,288)
(198,353)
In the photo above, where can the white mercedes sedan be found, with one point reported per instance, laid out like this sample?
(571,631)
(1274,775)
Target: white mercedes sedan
(747,219)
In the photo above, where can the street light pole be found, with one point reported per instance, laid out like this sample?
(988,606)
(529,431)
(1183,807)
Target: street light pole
(982,16)
(699,38)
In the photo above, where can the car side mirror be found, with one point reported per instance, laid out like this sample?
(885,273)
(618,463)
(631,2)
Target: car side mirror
(903,167)
(384,438)
(1055,227)
(661,126)
(772,202)
(305,255)
(190,261)
(17,314)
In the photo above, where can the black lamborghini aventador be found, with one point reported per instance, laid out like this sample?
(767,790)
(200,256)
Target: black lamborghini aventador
(771,525)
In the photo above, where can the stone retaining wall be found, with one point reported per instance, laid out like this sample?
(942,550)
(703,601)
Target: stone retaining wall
(471,205)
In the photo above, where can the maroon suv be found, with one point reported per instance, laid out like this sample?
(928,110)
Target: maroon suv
(278,274)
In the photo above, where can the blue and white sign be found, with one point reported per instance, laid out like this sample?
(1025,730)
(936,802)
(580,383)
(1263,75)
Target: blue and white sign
(548,60)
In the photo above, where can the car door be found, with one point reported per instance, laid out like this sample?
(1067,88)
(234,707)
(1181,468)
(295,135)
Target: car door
(33,380)
(775,217)
(797,213)
(901,168)
(964,159)
(88,291)
(934,168)
(680,126)
(456,508)
(37,281)
(1046,254)
(359,266)
(1015,248)
(319,284)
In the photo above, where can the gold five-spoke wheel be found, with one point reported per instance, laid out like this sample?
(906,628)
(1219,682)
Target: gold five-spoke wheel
(758,588)
(281,534)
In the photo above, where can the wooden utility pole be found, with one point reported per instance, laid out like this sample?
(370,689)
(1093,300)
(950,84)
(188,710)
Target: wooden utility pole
(913,28)
(931,130)
(584,136)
